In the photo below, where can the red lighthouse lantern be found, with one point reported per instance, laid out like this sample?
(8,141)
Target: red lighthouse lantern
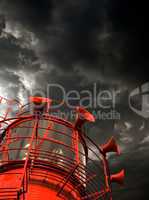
(43,156)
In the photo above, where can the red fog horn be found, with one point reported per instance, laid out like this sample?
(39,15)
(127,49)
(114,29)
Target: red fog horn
(82,116)
(118,178)
(41,100)
(110,146)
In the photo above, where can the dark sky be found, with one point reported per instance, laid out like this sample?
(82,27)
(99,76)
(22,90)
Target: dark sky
(77,43)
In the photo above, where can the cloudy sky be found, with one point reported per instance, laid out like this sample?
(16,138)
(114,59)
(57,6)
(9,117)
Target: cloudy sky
(79,43)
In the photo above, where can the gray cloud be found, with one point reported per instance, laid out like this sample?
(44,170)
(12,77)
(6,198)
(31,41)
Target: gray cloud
(77,43)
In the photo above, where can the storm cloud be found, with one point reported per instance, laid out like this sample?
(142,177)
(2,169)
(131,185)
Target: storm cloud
(75,44)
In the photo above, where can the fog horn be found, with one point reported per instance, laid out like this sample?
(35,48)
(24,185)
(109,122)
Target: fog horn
(83,116)
(110,146)
(118,178)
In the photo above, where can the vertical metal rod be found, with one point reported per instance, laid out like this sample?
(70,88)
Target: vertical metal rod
(107,176)
(76,146)
(50,125)
(29,149)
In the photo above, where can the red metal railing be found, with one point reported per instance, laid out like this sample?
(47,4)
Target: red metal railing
(41,141)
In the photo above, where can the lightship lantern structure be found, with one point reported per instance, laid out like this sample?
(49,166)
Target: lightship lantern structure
(43,156)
